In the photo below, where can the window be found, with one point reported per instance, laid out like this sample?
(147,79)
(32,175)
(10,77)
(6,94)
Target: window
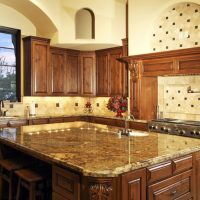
(10,64)
(85,24)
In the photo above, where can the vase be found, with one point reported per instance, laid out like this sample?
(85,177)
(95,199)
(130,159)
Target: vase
(119,114)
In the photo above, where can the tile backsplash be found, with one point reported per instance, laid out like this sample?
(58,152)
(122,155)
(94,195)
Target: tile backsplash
(55,106)
(175,101)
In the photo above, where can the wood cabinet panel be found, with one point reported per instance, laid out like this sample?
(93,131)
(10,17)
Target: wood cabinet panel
(182,164)
(135,90)
(148,98)
(176,187)
(102,74)
(66,183)
(196,170)
(111,74)
(157,67)
(72,74)
(88,74)
(57,71)
(134,185)
(159,172)
(56,120)
(36,66)
(116,72)
(189,64)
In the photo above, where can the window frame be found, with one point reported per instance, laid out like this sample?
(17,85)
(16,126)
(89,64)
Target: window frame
(17,33)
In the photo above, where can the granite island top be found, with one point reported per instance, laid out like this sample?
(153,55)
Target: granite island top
(94,149)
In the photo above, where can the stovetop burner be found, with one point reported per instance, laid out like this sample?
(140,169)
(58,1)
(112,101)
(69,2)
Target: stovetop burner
(187,128)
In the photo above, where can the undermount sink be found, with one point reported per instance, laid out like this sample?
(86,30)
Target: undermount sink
(138,134)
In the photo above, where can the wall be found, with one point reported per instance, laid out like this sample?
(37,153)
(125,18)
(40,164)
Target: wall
(175,101)
(46,106)
(9,17)
(143,19)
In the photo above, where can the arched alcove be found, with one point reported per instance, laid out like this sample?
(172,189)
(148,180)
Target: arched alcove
(85,24)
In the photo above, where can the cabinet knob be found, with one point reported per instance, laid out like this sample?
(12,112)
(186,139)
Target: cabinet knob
(173,192)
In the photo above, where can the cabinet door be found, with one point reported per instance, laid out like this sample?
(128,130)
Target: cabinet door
(116,72)
(148,98)
(102,73)
(88,74)
(196,164)
(134,185)
(40,68)
(57,71)
(36,66)
(135,96)
(72,74)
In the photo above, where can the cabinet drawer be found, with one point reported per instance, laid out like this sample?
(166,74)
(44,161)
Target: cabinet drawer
(66,183)
(159,172)
(182,164)
(178,187)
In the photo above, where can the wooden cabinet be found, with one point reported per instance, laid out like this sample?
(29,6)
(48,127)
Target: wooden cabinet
(177,187)
(173,179)
(196,171)
(65,184)
(143,97)
(111,74)
(134,185)
(87,74)
(57,71)
(36,66)
(72,76)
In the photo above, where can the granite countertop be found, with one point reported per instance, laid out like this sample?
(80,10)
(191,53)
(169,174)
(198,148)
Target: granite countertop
(8,118)
(94,149)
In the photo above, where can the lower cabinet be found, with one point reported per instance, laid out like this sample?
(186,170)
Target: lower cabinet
(134,185)
(177,187)
(174,179)
(66,184)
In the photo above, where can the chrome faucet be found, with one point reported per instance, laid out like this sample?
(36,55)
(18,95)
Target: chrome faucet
(128,118)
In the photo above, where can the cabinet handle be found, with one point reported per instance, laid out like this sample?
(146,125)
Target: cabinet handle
(173,192)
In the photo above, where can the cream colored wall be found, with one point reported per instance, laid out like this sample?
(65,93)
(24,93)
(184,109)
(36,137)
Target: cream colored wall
(142,17)
(11,18)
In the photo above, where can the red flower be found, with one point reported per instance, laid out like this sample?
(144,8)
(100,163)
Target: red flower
(117,104)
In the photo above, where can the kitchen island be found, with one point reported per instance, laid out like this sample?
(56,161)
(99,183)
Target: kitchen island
(92,161)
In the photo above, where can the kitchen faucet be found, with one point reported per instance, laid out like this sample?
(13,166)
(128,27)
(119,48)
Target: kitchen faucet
(128,118)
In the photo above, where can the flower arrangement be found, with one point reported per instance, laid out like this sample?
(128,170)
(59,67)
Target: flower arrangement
(118,104)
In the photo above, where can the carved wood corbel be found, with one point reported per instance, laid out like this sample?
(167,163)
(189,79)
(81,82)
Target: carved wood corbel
(98,191)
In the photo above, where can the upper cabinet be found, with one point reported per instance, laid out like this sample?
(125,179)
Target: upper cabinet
(36,66)
(111,74)
(88,74)
(57,71)
(72,75)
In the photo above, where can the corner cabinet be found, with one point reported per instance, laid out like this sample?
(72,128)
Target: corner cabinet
(36,66)
(111,74)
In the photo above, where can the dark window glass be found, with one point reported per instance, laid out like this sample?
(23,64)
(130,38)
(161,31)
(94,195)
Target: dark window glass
(9,64)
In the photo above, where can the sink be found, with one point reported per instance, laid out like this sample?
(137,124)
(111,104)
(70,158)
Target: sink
(138,134)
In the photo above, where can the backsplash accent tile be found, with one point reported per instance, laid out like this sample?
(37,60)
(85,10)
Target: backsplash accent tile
(56,106)
(177,27)
(175,101)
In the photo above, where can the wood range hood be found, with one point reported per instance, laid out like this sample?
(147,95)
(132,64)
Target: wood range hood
(144,71)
